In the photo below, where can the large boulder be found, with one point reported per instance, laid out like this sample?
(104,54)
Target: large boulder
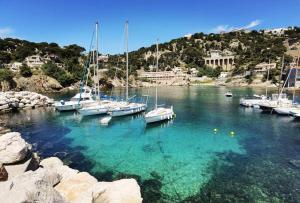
(73,187)
(31,186)
(13,148)
(31,162)
(120,191)
(56,165)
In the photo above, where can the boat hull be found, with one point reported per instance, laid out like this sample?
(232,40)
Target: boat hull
(159,118)
(282,110)
(93,111)
(129,111)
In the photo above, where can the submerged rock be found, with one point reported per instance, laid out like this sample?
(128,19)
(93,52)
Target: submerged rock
(295,163)
(13,148)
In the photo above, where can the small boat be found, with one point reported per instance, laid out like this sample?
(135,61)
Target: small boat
(158,113)
(277,100)
(228,94)
(75,102)
(98,106)
(105,120)
(251,102)
(126,107)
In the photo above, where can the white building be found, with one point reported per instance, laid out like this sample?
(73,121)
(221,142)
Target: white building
(34,61)
(217,58)
(103,58)
(262,68)
(15,66)
(194,71)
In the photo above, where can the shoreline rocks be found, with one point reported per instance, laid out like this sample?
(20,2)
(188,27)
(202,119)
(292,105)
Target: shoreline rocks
(23,178)
(11,100)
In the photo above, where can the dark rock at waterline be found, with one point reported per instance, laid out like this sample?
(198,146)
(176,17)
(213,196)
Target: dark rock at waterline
(155,175)
(151,190)
(295,163)
(127,176)
(3,173)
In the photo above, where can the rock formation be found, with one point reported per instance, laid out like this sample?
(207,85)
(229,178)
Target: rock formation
(24,179)
(18,100)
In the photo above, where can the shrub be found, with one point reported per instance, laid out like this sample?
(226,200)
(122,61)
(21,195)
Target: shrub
(25,71)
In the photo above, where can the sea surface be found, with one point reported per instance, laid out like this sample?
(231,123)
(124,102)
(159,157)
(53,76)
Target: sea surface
(212,151)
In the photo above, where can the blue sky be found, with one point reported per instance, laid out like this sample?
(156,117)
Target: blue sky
(72,21)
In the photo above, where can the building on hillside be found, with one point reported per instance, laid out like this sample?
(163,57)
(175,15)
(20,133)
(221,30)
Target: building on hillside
(50,57)
(262,68)
(34,61)
(160,75)
(277,31)
(15,66)
(217,58)
(103,58)
(194,72)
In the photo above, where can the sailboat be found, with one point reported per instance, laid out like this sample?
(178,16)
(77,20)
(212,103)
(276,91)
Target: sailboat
(96,107)
(158,113)
(126,107)
(287,108)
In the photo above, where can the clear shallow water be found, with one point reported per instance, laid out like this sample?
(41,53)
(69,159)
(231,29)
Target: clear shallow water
(183,158)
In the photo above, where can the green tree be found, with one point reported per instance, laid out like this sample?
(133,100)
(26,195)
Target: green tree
(25,71)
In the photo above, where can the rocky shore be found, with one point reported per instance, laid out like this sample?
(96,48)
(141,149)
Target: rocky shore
(24,178)
(11,100)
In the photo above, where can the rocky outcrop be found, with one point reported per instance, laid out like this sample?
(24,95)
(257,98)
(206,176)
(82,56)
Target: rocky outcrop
(31,186)
(37,83)
(24,179)
(122,191)
(18,100)
(12,148)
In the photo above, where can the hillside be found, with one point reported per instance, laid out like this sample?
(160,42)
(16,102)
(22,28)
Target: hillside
(248,47)
(65,64)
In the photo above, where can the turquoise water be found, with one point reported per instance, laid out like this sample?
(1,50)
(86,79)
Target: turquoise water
(181,160)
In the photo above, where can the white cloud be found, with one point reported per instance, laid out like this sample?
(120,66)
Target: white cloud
(6,32)
(227,28)
(253,24)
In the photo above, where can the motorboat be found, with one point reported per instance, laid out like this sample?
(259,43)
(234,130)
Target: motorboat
(252,102)
(158,113)
(76,101)
(228,94)
(276,100)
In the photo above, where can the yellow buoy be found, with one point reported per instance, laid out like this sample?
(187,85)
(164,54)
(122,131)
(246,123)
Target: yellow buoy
(215,130)
(232,133)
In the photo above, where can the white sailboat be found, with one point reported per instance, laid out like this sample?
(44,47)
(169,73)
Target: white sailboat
(158,113)
(126,107)
(287,108)
(96,107)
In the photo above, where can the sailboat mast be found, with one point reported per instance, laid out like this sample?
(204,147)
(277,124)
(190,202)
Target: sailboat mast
(280,79)
(156,72)
(296,73)
(267,79)
(97,63)
(126,44)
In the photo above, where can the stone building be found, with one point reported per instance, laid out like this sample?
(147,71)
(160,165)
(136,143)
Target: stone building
(217,58)
(262,68)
